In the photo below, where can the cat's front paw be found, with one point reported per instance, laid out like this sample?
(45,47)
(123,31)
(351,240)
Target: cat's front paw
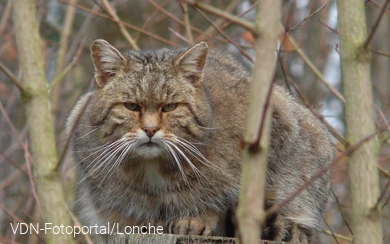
(192,226)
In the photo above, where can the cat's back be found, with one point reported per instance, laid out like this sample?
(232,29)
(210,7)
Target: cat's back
(227,83)
(223,71)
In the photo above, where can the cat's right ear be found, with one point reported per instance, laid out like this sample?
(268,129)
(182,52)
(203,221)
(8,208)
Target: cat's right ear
(107,61)
(192,62)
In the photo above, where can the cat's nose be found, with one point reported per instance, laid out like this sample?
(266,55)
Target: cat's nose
(151,130)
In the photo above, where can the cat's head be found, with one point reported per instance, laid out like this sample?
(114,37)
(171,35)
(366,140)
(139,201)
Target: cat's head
(152,102)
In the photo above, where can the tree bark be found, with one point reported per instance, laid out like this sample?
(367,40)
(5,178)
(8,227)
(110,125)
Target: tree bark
(41,133)
(250,211)
(363,171)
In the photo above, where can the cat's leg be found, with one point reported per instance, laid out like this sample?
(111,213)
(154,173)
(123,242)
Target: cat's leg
(286,230)
(281,228)
(302,235)
(202,225)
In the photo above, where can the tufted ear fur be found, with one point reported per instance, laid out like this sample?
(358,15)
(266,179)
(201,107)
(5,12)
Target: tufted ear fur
(107,61)
(192,61)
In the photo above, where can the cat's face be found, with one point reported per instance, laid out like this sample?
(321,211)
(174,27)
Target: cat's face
(149,105)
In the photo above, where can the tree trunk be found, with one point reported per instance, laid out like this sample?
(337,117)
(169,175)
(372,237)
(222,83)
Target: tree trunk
(250,212)
(363,171)
(41,134)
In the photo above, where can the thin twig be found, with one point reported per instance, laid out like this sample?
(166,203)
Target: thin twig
(9,74)
(225,36)
(122,28)
(187,22)
(77,39)
(207,33)
(375,27)
(327,26)
(342,212)
(77,223)
(314,69)
(382,195)
(220,13)
(378,5)
(344,238)
(10,179)
(12,215)
(239,15)
(385,203)
(11,125)
(341,158)
(6,17)
(384,171)
(249,26)
(69,67)
(381,53)
(331,129)
(66,31)
(172,16)
(13,162)
(179,36)
(146,22)
(30,176)
(331,231)
(124,23)
(309,16)
(383,117)
(73,129)
(18,220)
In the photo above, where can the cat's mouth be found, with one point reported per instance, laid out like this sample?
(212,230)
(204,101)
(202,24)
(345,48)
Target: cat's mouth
(149,150)
(149,144)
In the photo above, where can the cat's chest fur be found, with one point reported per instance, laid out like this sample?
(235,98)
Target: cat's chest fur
(154,197)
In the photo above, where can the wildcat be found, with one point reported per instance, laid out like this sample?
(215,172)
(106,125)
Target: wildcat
(160,142)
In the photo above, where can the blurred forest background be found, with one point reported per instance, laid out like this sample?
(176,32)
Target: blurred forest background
(311,70)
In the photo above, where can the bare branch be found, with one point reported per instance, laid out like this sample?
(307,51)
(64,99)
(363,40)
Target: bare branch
(342,212)
(381,53)
(69,67)
(220,13)
(121,26)
(227,38)
(147,21)
(180,36)
(30,176)
(341,237)
(60,60)
(378,5)
(124,23)
(309,16)
(6,17)
(73,129)
(376,24)
(250,211)
(12,78)
(208,32)
(187,23)
(341,158)
(314,69)
(331,231)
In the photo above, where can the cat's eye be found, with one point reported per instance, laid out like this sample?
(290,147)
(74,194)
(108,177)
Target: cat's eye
(133,107)
(169,107)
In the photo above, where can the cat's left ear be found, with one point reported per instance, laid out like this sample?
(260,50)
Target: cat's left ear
(192,62)
(107,61)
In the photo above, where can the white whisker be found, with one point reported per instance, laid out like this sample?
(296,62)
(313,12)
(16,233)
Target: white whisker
(96,166)
(199,156)
(87,133)
(118,160)
(193,167)
(177,162)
